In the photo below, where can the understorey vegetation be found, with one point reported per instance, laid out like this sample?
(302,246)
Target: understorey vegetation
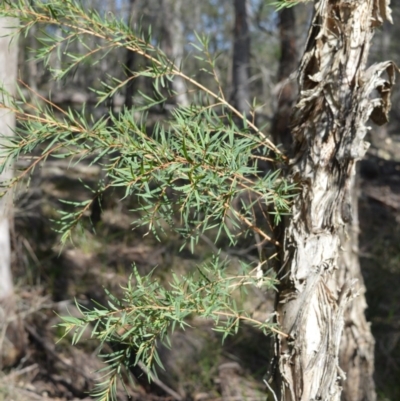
(201,170)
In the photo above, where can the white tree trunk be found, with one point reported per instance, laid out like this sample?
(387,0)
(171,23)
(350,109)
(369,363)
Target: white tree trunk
(337,97)
(8,74)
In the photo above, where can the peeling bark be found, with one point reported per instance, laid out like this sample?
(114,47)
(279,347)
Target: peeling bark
(356,355)
(337,97)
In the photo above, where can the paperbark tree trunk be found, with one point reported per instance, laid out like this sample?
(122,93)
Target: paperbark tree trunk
(356,356)
(241,58)
(12,342)
(337,97)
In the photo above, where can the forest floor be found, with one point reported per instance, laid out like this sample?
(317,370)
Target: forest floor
(198,366)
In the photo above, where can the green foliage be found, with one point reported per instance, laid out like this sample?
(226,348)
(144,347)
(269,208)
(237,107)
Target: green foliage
(281,4)
(187,172)
(148,312)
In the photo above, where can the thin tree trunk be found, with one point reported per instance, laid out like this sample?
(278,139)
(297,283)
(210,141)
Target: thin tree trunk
(173,44)
(12,342)
(130,61)
(286,90)
(32,65)
(241,58)
(99,204)
(335,102)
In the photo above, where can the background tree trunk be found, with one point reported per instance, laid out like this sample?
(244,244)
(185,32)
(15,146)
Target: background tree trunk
(328,128)
(286,88)
(173,44)
(241,58)
(12,344)
(130,60)
(286,91)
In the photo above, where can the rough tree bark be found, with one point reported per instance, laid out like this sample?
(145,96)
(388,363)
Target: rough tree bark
(337,97)
(173,44)
(356,356)
(241,58)
(11,334)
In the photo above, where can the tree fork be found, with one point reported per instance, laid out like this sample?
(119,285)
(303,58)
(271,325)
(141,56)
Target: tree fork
(337,97)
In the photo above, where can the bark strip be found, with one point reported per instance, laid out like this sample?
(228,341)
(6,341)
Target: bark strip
(337,97)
